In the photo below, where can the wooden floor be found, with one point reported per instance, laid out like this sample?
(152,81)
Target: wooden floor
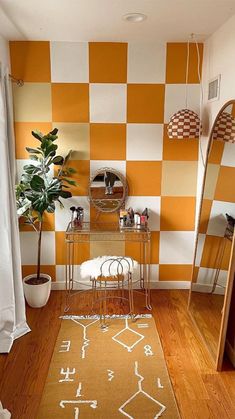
(200,391)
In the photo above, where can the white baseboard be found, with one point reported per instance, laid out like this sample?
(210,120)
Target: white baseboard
(160,285)
(230,351)
(206,288)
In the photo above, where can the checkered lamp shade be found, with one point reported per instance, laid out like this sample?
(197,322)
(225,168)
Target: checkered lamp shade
(184,124)
(224,129)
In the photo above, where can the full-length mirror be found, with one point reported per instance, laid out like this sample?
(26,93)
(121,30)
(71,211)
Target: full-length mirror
(107,190)
(209,297)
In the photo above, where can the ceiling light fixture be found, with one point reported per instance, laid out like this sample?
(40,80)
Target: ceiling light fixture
(134,17)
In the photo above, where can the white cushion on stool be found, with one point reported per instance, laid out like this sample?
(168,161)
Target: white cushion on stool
(92,267)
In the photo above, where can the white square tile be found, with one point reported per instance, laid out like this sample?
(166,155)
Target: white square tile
(206,276)
(119,165)
(139,203)
(108,102)
(217,222)
(176,247)
(63,215)
(228,158)
(146,63)
(32,102)
(144,141)
(200,246)
(69,62)
(73,136)
(175,95)
(154,274)
(28,245)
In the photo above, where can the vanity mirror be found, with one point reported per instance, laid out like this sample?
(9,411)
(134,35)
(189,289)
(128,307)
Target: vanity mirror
(107,190)
(214,260)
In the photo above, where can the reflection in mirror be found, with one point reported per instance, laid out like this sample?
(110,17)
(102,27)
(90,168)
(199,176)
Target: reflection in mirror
(215,232)
(107,190)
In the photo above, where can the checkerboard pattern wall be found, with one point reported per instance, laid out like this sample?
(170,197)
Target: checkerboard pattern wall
(219,199)
(111,103)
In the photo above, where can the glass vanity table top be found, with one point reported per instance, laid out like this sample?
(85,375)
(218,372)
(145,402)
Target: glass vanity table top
(111,230)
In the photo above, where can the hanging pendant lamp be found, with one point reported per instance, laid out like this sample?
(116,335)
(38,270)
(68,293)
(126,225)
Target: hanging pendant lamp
(224,129)
(185,123)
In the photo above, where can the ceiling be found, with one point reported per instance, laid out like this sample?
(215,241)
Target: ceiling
(101,20)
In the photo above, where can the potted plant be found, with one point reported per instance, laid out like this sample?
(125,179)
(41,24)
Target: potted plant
(37,193)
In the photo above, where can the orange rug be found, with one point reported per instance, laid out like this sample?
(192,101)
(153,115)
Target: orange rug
(112,373)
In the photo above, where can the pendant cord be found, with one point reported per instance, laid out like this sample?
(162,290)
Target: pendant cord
(186,80)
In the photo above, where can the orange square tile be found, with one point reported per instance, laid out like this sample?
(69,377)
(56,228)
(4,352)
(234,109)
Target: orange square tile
(177,213)
(195,273)
(225,190)
(108,141)
(176,62)
(133,249)
(70,102)
(24,138)
(48,223)
(205,215)
(144,178)
(45,269)
(186,149)
(145,103)
(108,62)
(216,152)
(210,254)
(81,250)
(175,272)
(104,217)
(81,177)
(30,60)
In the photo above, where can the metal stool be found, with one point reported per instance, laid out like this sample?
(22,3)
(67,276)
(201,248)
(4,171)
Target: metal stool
(115,274)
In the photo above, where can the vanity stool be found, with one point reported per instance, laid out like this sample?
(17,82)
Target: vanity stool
(109,273)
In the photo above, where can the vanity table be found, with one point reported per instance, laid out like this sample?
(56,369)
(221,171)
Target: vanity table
(99,232)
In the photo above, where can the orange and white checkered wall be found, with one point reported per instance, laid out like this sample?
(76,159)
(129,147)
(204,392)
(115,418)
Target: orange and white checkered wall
(111,103)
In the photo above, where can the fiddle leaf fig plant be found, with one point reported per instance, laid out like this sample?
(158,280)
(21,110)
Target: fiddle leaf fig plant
(39,189)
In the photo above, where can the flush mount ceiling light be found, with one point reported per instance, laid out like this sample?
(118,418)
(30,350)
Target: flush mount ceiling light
(134,17)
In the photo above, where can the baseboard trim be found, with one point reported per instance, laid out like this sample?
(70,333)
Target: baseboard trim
(160,285)
(206,288)
(230,351)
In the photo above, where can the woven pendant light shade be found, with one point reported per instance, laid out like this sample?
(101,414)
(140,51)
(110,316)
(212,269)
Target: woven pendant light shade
(184,124)
(224,129)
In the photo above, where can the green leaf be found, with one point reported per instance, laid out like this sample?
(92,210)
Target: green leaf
(37,134)
(33,157)
(70,182)
(58,160)
(71,170)
(37,183)
(33,150)
(31,168)
(65,194)
(54,131)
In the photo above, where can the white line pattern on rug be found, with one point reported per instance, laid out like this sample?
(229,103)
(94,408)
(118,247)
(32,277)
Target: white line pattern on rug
(86,341)
(129,348)
(141,379)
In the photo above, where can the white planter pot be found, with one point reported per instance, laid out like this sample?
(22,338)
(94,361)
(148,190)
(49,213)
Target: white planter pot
(37,295)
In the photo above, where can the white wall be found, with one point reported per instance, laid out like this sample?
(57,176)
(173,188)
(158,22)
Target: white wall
(219,58)
(4,53)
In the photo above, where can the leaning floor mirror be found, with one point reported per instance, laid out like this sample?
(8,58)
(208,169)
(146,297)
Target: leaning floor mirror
(214,259)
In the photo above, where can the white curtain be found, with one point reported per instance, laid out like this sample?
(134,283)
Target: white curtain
(12,304)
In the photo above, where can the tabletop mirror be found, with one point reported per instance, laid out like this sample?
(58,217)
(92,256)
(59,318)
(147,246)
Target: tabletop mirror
(213,270)
(107,190)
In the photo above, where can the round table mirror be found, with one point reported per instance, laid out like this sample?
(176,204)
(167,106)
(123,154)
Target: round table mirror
(107,190)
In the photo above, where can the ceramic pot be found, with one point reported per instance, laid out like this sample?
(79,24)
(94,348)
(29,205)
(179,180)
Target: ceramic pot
(37,295)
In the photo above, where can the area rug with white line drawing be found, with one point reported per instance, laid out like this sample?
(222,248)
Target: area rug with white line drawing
(114,372)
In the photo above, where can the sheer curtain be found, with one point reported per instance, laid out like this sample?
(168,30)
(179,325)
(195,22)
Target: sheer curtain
(12,304)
